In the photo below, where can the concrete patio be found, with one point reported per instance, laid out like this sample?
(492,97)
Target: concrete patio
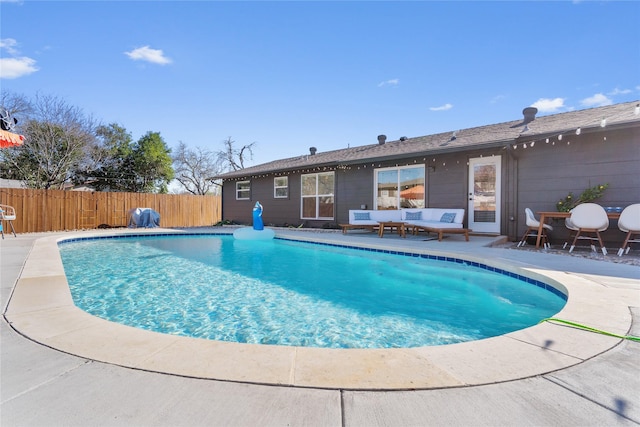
(598,382)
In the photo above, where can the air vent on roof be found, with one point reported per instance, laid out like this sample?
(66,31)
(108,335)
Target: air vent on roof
(313,150)
(403,138)
(529,114)
(382,139)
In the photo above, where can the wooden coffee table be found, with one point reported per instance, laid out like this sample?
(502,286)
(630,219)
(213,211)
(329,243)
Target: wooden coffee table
(400,226)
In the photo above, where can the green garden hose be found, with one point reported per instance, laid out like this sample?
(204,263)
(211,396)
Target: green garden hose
(587,328)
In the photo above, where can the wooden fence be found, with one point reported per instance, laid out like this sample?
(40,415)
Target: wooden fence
(57,210)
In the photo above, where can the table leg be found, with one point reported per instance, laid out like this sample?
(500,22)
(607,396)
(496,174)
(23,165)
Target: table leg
(540,227)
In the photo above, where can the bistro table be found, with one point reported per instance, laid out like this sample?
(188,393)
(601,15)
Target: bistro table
(545,215)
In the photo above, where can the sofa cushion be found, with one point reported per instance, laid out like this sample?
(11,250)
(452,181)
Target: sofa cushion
(448,217)
(361,216)
(413,216)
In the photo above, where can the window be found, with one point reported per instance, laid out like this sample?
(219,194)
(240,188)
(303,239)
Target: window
(243,190)
(281,187)
(317,196)
(400,188)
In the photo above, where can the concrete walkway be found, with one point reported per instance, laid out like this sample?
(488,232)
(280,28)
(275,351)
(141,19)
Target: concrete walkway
(41,386)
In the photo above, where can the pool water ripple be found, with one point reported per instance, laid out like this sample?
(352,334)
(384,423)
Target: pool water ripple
(293,293)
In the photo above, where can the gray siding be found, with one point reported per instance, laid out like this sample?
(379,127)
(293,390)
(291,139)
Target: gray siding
(546,173)
(535,177)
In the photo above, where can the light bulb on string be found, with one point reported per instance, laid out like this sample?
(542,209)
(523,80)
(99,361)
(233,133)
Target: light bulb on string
(603,123)
(578,131)
(560,137)
(533,143)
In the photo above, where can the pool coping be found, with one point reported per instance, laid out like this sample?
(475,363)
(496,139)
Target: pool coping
(41,309)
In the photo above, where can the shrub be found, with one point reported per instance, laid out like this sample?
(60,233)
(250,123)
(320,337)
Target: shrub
(588,195)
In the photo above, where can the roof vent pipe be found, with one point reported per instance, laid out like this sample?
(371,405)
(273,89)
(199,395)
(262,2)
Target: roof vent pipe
(529,114)
(313,150)
(382,139)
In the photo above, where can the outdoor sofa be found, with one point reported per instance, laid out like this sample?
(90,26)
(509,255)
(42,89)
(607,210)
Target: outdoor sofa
(435,220)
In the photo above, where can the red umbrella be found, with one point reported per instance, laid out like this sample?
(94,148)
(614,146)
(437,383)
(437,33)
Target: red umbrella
(415,192)
(8,139)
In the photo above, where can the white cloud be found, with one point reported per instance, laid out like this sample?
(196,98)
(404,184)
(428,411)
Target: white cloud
(597,100)
(441,108)
(12,68)
(145,53)
(497,98)
(391,82)
(547,105)
(617,91)
(9,46)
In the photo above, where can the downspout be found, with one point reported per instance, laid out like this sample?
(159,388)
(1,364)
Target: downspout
(513,216)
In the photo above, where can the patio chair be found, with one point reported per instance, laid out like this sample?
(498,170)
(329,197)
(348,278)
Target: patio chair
(589,218)
(7,213)
(629,222)
(532,230)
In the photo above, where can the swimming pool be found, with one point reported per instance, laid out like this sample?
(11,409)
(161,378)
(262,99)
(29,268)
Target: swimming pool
(292,293)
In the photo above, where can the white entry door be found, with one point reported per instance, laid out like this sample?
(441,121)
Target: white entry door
(484,194)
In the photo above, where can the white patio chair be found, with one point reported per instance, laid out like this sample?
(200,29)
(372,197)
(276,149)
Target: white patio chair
(589,218)
(629,222)
(532,230)
(7,213)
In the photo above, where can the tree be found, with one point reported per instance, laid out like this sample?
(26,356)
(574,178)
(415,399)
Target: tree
(151,163)
(111,160)
(57,139)
(193,169)
(233,158)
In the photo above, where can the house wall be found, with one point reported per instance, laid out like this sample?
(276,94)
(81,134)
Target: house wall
(535,177)
(547,172)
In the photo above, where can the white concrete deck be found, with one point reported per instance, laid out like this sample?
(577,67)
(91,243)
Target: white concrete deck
(600,295)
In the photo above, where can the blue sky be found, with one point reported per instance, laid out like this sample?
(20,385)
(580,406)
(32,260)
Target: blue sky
(291,75)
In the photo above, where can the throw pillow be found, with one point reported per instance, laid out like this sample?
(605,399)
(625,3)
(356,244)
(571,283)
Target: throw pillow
(413,216)
(447,217)
(361,216)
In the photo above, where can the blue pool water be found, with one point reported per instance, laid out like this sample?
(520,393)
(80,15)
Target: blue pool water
(293,293)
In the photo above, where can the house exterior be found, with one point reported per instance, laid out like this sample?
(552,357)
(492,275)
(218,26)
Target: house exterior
(493,172)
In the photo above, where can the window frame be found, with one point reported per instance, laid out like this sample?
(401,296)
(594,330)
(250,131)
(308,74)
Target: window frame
(318,197)
(247,190)
(398,189)
(279,187)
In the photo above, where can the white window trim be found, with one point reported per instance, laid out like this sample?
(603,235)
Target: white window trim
(247,190)
(317,196)
(276,187)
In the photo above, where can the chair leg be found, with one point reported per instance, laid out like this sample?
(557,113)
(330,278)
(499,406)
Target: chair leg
(575,239)
(523,240)
(625,244)
(12,229)
(604,250)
